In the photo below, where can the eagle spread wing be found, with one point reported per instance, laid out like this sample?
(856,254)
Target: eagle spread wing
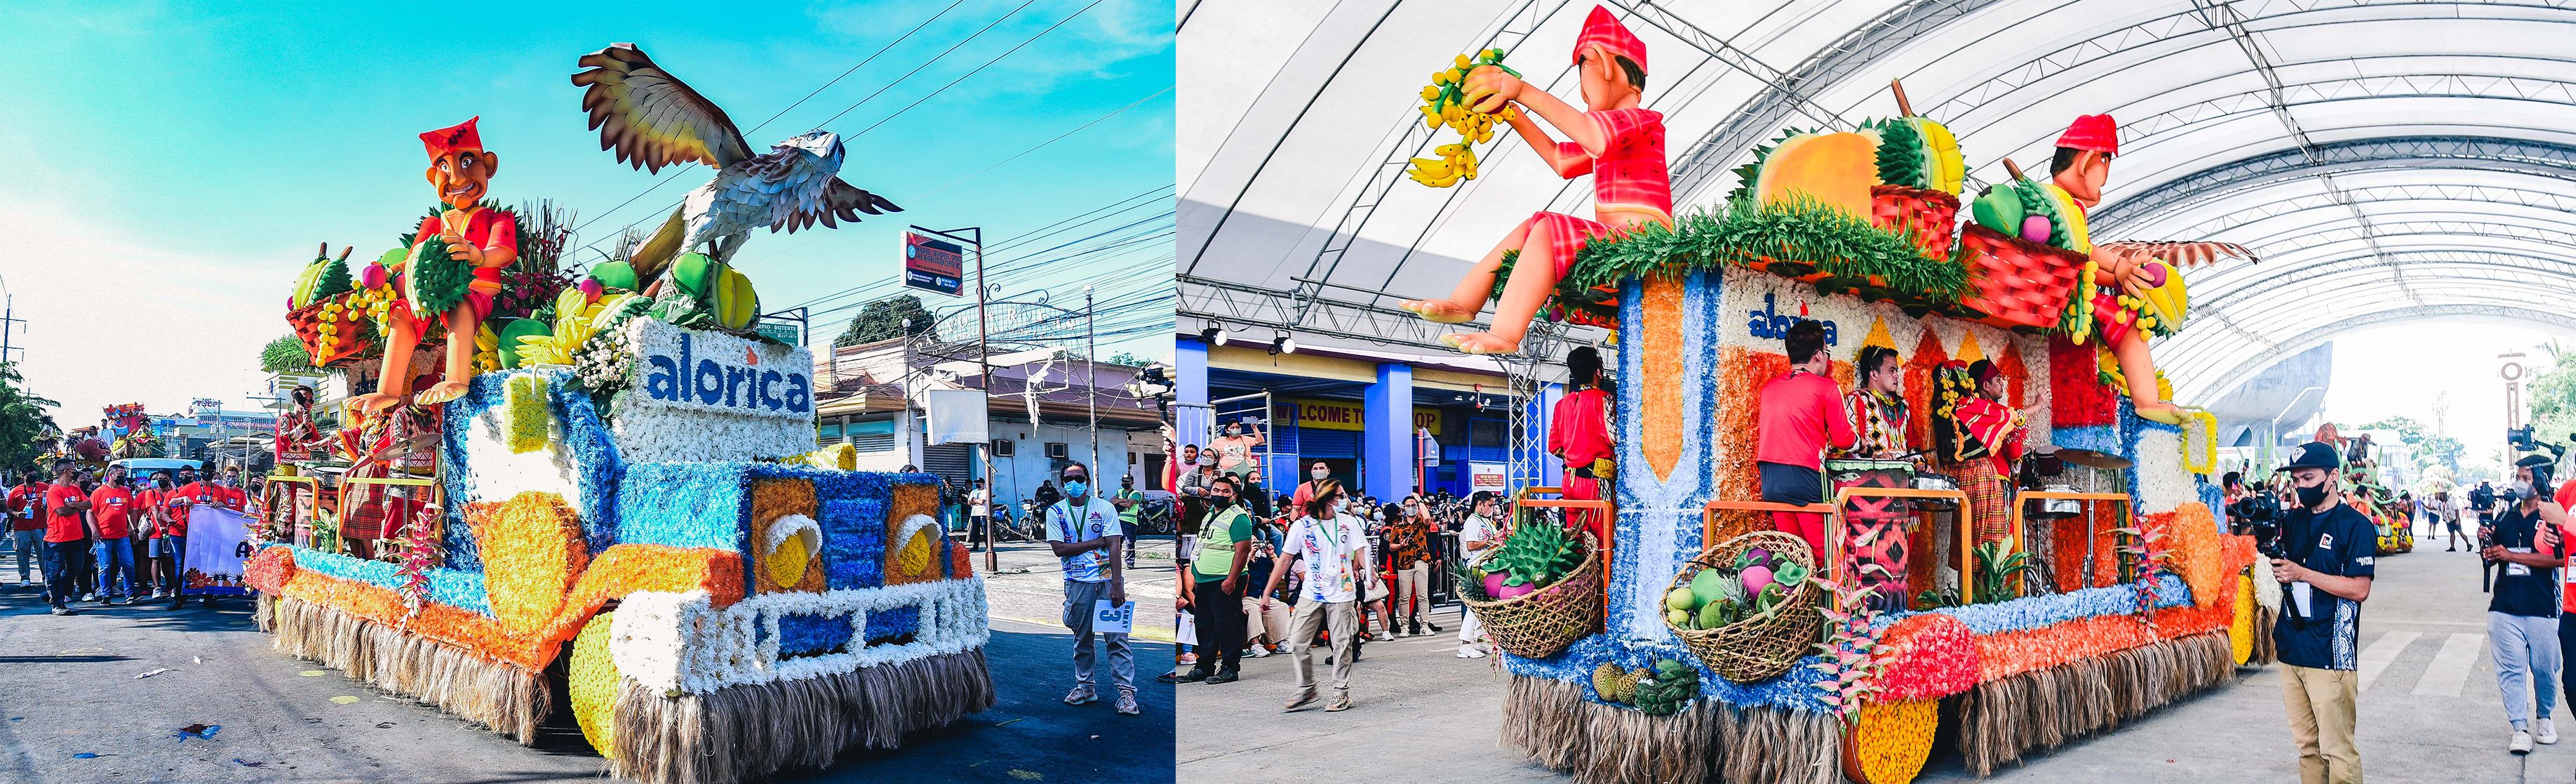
(2186,254)
(650,117)
(839,201)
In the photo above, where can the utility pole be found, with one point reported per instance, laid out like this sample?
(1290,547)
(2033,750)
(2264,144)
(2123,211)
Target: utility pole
(8,320)
(1091,371)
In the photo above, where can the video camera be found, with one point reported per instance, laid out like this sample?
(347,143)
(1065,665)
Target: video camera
(2521,439)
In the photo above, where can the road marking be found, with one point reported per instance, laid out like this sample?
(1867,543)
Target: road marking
(2381,653)
(2450,670)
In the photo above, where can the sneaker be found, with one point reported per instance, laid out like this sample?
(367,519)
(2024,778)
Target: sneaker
(1189,658)
(1470,652)
(2547,732)
(1303,700)
(1169,677)
(1341,702)
(62,610)
(1224,676)
(2521,743)
(1435,628)
(1400,632)
(1082,694)
(1193,676)
(1127,703)
(1259,651)
(1383,637)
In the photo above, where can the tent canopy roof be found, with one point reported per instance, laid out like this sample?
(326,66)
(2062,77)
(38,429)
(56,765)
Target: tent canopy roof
(2389,160)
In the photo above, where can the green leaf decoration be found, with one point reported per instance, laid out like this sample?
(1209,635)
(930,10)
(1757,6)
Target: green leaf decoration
(1800,235)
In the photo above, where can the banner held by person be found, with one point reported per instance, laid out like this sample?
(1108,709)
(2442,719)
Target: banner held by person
(218,542)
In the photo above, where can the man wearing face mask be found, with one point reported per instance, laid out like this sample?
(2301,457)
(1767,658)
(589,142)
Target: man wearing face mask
(2522,613)
(1225,543)
(2325,576)
(1083,530)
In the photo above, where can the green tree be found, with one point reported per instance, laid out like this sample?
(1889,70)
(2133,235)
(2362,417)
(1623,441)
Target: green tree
(25,429)
(1128,358)
(285,353)
(885,319)
(2427,449)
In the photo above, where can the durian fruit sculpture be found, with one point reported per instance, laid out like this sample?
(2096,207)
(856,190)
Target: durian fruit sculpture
(1920,174)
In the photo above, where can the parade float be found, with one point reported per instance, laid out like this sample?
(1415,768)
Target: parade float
(1697,644)
(600,490)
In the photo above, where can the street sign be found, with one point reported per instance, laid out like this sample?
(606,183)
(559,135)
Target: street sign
(933,265)
(784,332)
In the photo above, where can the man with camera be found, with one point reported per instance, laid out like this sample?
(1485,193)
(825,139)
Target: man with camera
(2522,618)
(2323,557)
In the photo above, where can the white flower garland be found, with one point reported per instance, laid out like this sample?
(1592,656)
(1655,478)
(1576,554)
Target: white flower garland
(2163,485)
(679,642)
(2267,591)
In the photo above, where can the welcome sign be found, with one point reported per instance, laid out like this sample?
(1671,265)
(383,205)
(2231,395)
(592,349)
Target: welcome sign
(700,395)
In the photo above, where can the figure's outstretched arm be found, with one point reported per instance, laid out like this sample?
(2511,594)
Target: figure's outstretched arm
(1489,87)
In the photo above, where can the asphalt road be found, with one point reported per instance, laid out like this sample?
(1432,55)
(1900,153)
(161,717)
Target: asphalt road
(2430,712)
(68,687)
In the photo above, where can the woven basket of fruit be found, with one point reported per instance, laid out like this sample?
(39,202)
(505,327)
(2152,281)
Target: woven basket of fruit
(1746,607)
(2018,282)
(1927,214)
(1538,592)
(332,330)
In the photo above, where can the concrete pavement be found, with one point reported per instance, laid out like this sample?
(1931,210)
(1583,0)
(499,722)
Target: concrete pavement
(2431,712)
(67,687)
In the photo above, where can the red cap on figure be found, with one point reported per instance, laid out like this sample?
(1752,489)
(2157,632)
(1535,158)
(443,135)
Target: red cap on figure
(2096,132)
(1605,30)
(459,137)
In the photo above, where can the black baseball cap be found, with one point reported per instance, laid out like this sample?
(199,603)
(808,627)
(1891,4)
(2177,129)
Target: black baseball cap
(2315,455)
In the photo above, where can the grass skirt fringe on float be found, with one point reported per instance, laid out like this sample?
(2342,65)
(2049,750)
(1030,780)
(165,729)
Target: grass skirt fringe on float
(510,700)
(1601,744)
(739,733)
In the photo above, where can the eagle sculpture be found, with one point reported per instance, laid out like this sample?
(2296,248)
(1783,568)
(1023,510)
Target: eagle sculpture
(652,119)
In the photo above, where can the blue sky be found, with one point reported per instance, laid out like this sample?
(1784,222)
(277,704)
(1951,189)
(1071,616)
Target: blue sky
(170,166)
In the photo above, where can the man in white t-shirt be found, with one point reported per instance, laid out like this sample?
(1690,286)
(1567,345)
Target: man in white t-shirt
(1083,529)
(1479,533)
(979,513)
(1329,549)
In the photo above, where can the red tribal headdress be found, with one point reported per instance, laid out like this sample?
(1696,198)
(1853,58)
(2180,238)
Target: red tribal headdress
(2096,132)
(459,137)
(1605,30)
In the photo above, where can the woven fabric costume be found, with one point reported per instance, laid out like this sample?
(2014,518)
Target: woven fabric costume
(1983,437)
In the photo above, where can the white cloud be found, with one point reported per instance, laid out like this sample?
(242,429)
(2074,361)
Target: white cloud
(109,321)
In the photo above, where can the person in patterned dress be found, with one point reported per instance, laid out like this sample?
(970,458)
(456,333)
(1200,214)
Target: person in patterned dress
(1619,144)
(1983,436)
(1880,423)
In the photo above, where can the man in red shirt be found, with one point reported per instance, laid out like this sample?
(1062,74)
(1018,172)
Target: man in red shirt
(65,528)
(1802,413)
(1578,433)
(181,501)
(23,503)
(148,503)
(112,515)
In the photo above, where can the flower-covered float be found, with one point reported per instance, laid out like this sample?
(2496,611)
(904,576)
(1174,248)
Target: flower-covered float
(623,505)
(1731,652)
